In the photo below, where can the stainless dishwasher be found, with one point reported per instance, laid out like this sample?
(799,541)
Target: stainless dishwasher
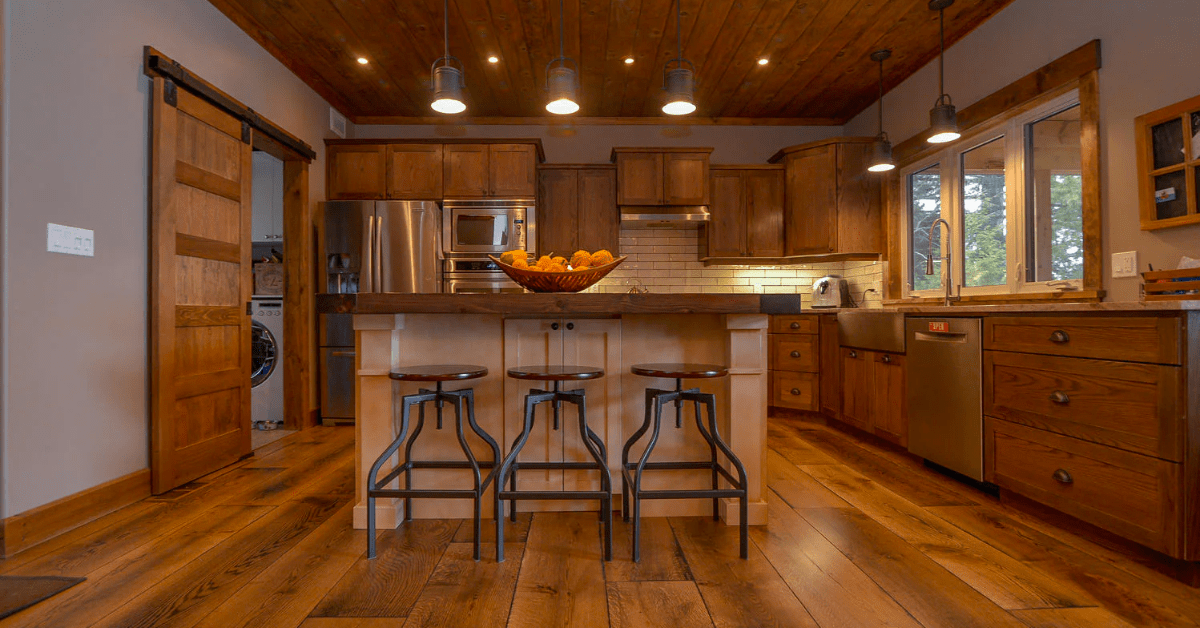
(945,392)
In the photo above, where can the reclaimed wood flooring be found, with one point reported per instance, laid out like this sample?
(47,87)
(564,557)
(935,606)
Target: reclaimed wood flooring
(858,536)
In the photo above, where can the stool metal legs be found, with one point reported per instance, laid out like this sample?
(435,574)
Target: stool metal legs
(462,399)
(631,473)
(507,473)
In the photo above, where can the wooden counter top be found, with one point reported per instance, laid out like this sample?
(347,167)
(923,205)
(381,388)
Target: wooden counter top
(557,304)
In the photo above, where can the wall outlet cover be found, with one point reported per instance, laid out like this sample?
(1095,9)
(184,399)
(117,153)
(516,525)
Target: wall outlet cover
(1125,264)
(70,240)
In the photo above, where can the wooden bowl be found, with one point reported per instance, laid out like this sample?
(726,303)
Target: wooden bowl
(569,281)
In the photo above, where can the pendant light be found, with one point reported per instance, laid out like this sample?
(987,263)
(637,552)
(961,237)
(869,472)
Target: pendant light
(562,79)
(881,153)
(447,79)
(680,82)
(943,118)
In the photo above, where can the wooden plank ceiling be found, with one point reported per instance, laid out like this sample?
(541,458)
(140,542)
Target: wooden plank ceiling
(818,70)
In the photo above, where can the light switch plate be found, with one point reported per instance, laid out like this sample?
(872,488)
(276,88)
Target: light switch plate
(70,240)
(1125,264)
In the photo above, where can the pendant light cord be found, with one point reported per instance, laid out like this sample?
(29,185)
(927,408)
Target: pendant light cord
(679,29)
(881,97)
(942,56)
(446,26)
(562,18)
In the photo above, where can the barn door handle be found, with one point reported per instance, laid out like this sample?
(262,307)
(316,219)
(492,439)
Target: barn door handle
(1062,477)
(1059,397)
(1059,336)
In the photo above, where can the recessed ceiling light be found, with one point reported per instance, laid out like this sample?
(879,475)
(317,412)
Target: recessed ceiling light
(493,59)
(628,60)
(763,61)
(363,61)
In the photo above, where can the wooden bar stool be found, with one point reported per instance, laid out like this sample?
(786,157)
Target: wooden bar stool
(464,397)
(631,473)
(595,446)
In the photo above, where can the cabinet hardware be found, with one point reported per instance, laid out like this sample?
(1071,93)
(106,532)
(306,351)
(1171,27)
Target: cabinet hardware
(1062,477)
(795,325)
(795,354)
(1059,397)
(554,326)
(796,391)
(854,354)
(1059,336)
(570,326)
(887,359)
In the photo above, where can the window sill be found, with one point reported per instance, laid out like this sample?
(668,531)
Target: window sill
(1072,296)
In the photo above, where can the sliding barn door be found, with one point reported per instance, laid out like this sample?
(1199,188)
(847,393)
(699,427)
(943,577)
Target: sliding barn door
(199,287)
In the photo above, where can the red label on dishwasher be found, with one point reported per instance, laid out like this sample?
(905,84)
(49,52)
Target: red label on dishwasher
(941,326)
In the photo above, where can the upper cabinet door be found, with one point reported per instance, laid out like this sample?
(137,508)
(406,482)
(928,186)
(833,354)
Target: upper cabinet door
(599,218)
(859,202)
(558,211)
(727,225)
(465,170)
(685,179)
(513,170)
(811,215)
(356,171)
(639,178)
(414,171)
(764,212)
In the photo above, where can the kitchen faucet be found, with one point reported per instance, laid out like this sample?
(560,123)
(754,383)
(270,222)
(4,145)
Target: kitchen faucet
(945,260)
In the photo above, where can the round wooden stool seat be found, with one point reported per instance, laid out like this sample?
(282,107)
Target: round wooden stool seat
(556,373)
(680,370)
(438,372)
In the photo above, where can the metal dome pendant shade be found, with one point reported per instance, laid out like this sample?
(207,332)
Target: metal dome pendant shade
(943,118)
(881,151)
(562,77)
(679,82)
(446,78)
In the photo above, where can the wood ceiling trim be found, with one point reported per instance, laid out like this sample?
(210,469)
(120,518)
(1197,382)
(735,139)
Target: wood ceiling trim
(594,120)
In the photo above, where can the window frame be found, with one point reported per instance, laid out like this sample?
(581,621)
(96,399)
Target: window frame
(1013,128)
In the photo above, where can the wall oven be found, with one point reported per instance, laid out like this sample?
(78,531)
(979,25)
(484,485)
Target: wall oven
(476,228)
(476,276)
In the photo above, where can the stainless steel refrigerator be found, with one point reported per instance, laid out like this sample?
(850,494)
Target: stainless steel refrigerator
(371,246)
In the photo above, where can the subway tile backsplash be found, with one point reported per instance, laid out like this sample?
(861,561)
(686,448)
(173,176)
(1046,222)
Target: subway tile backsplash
(665,260)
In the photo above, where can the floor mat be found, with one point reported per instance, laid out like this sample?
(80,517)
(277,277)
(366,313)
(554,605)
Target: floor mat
(18,593)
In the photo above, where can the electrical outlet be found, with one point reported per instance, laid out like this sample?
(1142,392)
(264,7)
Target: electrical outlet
(1125,264)
(70,240)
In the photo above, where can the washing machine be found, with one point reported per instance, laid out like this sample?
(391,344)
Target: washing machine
(266,363)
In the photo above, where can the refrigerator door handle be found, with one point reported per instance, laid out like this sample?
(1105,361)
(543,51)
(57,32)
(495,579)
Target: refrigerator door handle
(377,259)
(366,283)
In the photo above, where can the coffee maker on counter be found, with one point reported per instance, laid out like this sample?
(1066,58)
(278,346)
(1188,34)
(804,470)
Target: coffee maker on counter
(831,291)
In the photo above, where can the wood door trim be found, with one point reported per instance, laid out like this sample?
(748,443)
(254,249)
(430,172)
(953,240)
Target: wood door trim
(192,176)
(215,250)
(207,315)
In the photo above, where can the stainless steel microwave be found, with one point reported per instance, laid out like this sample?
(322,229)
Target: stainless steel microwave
(487,226)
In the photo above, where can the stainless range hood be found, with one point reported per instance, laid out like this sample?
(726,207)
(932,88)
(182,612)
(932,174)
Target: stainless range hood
(663,216)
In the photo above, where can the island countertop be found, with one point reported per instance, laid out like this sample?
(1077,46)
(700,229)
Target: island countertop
(534,304)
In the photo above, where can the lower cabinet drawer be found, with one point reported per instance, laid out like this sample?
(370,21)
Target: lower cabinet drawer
(794,324)
(794,352)
(797,391)
(1128,494)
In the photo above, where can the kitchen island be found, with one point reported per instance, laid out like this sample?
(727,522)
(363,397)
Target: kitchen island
(611,331)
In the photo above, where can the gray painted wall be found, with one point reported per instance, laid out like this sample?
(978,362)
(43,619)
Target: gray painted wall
(1149,55)
(587,144)
(76,153)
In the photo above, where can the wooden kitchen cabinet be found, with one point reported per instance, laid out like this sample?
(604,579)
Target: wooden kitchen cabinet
(465,170)
(577,209)
(833,206)
(662,176)
(831,383)
(795,362)
(874,393)
(356,171)
(746,206)
(414,171)
(490,170)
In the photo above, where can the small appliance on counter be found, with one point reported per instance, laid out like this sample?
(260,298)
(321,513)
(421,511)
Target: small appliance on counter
(831,291)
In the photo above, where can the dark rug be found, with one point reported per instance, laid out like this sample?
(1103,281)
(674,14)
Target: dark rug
(18,593)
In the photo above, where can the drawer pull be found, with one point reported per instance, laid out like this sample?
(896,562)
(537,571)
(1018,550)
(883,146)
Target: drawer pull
(1059,337)
(1062,477)
(854,354)
(795,325)
(887,359)
(796,391)
(795,354)
(1060,397)
(554,326)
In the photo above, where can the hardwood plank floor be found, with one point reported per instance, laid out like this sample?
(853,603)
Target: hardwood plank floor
(858,536)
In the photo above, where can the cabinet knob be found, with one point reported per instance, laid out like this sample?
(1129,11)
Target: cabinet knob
(1060,397)
(1059,337)
(796,391)
(887,359)
(570,326)
(854,354)
(1062,477)
(795,354)
(554,326)
(795,325)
